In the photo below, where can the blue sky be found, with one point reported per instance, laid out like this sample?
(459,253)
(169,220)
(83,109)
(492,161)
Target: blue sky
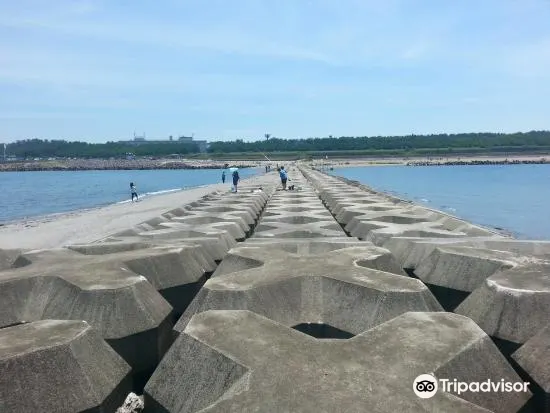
(98,70)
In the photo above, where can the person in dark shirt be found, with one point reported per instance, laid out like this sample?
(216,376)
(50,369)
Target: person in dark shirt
(236,179)
(133,190)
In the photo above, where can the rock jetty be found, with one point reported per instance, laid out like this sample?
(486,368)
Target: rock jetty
(115,164)
(479,162)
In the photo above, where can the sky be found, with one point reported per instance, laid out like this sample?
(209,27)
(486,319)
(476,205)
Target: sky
(98,70)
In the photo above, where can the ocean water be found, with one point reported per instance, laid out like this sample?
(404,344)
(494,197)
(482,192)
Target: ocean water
(515,198)
(32,194)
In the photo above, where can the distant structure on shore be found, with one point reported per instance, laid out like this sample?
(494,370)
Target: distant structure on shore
(142,140)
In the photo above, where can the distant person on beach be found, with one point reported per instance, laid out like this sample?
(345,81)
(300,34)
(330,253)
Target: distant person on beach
(133,190)
(236,179)
(223,177)
(284,176)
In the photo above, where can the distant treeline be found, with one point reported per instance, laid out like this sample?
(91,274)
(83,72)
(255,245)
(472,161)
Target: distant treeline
(395,145)
(389,143)
(37,148)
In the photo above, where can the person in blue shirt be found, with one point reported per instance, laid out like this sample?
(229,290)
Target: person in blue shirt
(223,177)
(236,179)
(284,177)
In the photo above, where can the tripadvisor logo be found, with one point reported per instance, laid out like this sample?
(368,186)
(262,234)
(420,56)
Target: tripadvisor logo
(426,386)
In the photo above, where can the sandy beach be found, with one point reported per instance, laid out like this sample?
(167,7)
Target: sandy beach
(89,225)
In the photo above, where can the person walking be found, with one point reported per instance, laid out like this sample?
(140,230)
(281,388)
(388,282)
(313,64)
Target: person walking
(133,190)
(223,177)
(236,179)
(283,175)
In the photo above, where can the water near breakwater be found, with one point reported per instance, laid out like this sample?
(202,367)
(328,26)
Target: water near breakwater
(32,194)
(515,198)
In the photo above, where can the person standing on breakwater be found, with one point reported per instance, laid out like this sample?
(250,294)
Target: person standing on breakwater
(236,179)
(284,177)
(133,190)
(223,177)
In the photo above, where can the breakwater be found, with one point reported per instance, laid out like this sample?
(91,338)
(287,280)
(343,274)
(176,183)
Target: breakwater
(115,164)
(540,161)
(226,304)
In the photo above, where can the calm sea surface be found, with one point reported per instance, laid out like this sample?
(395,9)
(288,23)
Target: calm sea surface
(511,197)
(31,194)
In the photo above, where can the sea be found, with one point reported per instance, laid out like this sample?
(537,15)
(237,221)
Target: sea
(513,198)
(35,194)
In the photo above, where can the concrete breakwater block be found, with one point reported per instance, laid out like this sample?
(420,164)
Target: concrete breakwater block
(379,233)
(509,293)
(333,198)
(358,224)
(216,241)
(380,226)
(125,309)
(512,305)
(347,210)
(464,268)
(339,198)
(303,214)
(242,199)
(347,288)
(204,218)
(298,222)
(301,246)
(232,228)
(59,366)
(416,249)
(249,216)
(251,204)
(320,229)
(534,358)
(7,258)
(177,271)
(411,251)
(292,214)
(236,361)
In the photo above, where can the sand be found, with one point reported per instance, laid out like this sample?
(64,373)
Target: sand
(83,226)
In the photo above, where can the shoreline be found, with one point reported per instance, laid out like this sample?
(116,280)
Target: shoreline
(53,215)
(91,224)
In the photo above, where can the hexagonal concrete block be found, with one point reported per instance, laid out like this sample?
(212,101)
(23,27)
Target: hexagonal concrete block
(59,366)
(411,251)
(463,268)
(512,305)
(121,305)
(235,361)
(351,288)
(534,359)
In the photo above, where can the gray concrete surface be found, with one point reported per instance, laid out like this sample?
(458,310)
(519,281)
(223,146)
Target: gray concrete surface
(351,288)
(102,290)
(59,366)
(511,305)
(534,358)
(235,361)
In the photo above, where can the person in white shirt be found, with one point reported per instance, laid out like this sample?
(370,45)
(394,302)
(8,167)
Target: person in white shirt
(133,190)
